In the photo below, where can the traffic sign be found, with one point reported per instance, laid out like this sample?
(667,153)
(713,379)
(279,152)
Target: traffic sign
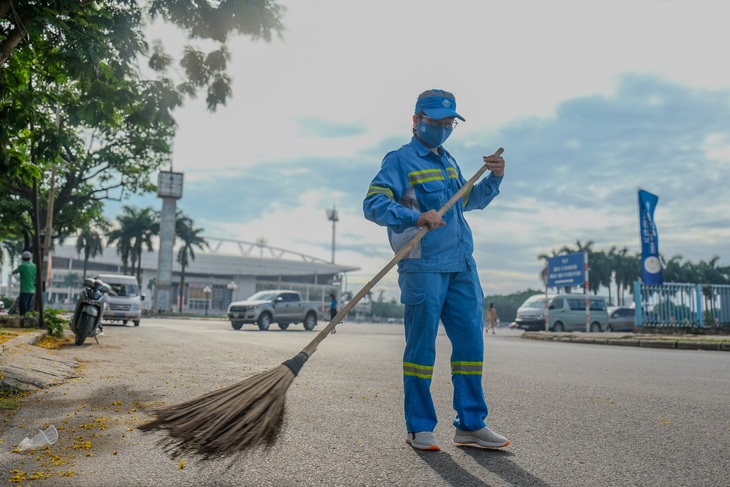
(566,270)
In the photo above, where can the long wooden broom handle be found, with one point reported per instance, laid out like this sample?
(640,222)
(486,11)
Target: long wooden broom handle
(310,349)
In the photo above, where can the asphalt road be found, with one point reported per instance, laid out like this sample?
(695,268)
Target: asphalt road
(577,415)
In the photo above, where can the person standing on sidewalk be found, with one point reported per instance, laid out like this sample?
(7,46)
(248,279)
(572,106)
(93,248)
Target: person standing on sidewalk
(27,271)
(438,278)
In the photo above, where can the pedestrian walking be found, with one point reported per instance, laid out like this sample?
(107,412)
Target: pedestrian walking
(492,317)
(438,278)
(333,311)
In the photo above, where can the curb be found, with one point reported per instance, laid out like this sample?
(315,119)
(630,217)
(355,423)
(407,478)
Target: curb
(633,341)
(25,367)
(24,339)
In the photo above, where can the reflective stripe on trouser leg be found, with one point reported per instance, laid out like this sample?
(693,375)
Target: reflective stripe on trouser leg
(422,294)
(462,318)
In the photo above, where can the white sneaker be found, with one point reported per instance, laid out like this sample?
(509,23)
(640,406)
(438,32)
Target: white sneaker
(484,438)
(423,440)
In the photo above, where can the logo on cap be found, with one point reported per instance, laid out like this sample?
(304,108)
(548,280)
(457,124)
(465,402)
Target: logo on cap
(446,104)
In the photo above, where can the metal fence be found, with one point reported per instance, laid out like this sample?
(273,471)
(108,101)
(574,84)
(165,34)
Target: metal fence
(682,305)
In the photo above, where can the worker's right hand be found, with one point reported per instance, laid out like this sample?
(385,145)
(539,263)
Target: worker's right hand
(430,219)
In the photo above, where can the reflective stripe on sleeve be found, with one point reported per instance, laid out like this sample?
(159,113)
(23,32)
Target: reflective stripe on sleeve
(420,371)
(379,190)
(453,173)
(465,198)
(466,368)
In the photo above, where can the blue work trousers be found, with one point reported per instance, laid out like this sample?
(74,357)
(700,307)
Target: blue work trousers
(456,299)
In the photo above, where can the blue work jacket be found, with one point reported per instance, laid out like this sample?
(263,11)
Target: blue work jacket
(413,180)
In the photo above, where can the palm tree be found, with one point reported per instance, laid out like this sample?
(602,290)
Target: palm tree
(190,236)
(674,270)
(135,231)
(90,242)
(710,273)
(620,270)
(543,273)
(599,266)
(630,273)
(71,280)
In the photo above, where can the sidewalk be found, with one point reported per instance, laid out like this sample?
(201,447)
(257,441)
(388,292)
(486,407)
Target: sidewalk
(25,367)
(680,342)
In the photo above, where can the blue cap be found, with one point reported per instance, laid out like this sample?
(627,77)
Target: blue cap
(437,104)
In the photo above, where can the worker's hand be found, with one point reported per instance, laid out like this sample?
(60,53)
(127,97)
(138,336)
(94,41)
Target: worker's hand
(430,219)
(494,164)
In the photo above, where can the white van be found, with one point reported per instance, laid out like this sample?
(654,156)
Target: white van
(127,304)
(566,312)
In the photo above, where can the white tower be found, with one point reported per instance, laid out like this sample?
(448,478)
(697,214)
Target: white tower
(169,188)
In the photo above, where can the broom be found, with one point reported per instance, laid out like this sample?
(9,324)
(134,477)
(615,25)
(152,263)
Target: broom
(250,414)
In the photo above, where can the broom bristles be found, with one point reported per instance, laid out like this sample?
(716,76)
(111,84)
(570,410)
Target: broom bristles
(232,420)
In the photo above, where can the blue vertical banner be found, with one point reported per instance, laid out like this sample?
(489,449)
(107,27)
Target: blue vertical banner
(651,266)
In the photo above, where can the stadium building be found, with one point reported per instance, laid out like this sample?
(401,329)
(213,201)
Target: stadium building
(231,271)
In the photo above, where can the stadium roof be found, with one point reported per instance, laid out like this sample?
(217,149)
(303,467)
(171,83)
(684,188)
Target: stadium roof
(279,262)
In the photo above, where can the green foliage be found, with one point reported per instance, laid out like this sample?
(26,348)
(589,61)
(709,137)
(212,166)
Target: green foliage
(134,233)
(90,241)
(382,309)
(74,98)
(10,398)
(81,116)
(620,269)
(73,94)
(191,237)
(72,279)
(54,322)
(258,19)
(7,301)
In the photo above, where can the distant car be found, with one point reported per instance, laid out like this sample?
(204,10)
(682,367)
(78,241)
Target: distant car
(620,318)
(566,312)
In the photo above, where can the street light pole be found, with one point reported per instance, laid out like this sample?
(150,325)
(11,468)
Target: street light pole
(207,290)
(332,216)
(232,286)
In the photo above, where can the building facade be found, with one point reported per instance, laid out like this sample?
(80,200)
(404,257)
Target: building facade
(212,281)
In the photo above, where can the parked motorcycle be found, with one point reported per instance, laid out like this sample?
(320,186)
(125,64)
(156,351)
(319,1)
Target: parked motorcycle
(86,321)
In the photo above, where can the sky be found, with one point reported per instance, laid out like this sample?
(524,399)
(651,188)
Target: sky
(591,101)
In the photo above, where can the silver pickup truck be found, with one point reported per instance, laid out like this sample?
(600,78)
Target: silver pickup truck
(277,306)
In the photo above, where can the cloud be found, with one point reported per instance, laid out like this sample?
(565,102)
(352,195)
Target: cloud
(572,174)
(315,127)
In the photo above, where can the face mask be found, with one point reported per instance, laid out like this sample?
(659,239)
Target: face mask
(432,136)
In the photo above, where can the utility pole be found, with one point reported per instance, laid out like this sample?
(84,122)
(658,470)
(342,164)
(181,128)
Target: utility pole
(332,216)
(48,238)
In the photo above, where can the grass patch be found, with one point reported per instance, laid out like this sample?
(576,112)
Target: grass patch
(10,399)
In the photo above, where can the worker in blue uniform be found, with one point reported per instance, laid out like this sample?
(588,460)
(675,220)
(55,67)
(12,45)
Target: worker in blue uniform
(438,277)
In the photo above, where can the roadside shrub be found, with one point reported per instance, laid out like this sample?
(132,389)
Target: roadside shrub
(53,321)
